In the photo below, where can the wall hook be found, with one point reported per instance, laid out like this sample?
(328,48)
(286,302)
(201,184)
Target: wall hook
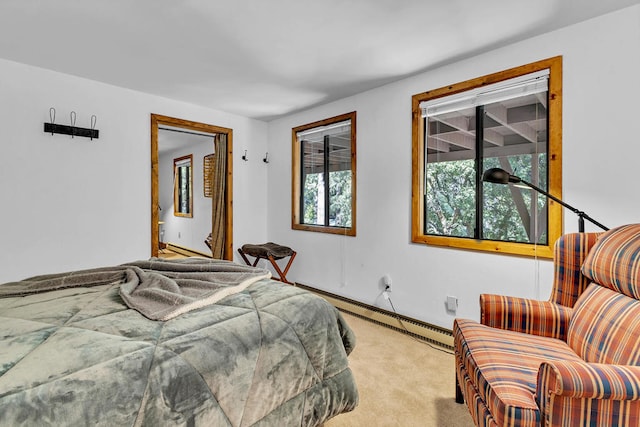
(244,156)
(94,119)
(266,157)
(52,117)
(51,127)
(73,122)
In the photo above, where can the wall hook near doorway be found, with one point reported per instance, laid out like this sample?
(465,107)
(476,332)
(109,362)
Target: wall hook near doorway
(266,157)
(72,129)
(244,156)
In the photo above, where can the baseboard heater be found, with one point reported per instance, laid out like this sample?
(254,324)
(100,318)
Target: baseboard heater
(407,325)
(186,251)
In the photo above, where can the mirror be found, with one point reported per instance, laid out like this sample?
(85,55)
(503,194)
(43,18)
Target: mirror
(183,186)
(195,214)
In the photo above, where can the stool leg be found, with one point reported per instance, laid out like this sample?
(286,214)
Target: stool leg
(243,256)
(281,276)
(286,269)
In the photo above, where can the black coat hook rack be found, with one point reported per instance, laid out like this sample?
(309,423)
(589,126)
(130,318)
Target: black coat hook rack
(72,129)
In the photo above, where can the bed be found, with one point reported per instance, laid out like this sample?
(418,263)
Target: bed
(155,343)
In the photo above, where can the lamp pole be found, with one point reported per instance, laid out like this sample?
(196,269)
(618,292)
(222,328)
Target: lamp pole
(581,215)
(500,176)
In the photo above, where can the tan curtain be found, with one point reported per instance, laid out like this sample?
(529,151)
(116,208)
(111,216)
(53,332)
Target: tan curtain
(218,219)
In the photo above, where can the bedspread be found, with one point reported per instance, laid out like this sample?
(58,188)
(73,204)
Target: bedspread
(270,355)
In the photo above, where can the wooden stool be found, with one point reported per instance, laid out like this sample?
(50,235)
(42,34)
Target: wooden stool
(272,252)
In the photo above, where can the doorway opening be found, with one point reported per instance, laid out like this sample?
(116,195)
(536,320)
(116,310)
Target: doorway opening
(212,210)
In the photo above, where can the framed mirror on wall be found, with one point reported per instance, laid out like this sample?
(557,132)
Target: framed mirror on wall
(191,188)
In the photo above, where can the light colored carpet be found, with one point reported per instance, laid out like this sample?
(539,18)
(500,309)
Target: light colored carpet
(401,381)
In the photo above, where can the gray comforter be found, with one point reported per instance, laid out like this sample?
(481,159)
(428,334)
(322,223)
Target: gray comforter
(270,354)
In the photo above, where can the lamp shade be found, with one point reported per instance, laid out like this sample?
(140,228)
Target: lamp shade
(499,176)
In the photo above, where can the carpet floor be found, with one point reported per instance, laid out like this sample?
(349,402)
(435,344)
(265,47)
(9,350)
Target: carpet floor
(401,381)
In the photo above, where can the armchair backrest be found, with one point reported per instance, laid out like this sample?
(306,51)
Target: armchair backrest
(605,323)
(569,253)
(615,261)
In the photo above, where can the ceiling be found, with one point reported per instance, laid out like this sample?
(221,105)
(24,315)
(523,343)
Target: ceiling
(264,59)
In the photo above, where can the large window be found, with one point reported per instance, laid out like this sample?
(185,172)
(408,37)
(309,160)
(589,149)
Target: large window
(509,120)
(324,175)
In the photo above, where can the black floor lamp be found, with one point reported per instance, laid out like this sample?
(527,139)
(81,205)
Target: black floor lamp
(501,176)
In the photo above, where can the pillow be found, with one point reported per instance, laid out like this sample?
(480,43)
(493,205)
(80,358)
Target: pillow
(614,261)
(605,327)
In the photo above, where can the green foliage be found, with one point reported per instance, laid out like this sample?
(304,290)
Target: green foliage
(451,205)
(450,198)
(339,198)
(310,199)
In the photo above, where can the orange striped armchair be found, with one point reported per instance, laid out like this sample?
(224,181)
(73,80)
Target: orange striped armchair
(573,360)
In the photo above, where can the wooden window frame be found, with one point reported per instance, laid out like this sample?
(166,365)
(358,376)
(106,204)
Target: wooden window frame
(176,189)
(296,223)
(555,221)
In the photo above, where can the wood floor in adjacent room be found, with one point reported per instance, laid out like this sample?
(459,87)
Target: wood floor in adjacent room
(169,254)
(401,381)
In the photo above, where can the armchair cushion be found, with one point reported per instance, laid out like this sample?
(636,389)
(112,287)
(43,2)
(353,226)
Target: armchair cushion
(503,366)
(605,327)
(614,261)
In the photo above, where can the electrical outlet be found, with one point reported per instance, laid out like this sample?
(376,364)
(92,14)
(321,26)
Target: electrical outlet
(452,303)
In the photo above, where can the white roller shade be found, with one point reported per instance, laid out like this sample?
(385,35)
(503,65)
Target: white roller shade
(508,89)
(322,131)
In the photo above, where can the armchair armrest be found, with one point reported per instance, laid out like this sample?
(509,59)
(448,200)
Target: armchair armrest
(589,380)
(543,318)
(579,393)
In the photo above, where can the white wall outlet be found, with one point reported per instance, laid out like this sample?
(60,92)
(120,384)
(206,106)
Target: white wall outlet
(452,303)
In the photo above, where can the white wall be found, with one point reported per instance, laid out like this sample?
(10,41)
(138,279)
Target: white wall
(601,89)
(72,203)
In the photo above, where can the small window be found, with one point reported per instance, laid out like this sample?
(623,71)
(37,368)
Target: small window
(182,186)
(324,176)
(509,120)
